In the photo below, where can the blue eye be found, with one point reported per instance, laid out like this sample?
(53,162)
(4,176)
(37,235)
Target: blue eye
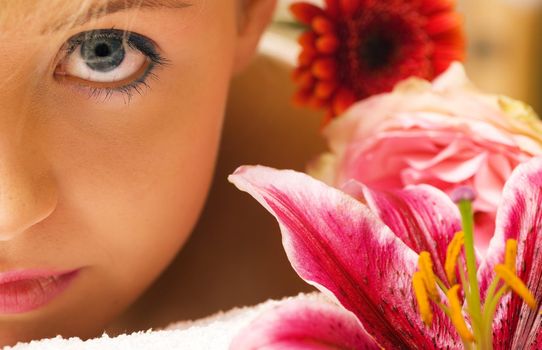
(109,61)
(103,54)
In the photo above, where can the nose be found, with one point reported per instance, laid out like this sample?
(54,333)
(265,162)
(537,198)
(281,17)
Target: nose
(27,188)
(27,194)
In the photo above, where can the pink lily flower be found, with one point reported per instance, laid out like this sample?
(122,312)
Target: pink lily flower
(367,257)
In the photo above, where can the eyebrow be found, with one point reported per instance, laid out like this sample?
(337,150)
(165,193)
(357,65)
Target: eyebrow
(101,9)
(122,5)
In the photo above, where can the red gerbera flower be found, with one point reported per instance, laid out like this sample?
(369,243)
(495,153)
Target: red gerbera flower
(357,48)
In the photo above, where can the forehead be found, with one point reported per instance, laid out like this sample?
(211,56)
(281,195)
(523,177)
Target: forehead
(36,14)
(45,16)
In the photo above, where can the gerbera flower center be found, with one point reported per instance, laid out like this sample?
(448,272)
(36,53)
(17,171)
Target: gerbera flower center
(354,49)
(472,319)
(378,50)
(382,44)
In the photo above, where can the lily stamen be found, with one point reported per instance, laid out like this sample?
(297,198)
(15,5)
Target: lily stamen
(456,315)
(452,254)
(514,282)
(478,329)
(425,264)
(422,297)
(510,254)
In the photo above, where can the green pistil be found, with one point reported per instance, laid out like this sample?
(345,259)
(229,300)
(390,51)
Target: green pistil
(472,293)
(480,334)
(490,306)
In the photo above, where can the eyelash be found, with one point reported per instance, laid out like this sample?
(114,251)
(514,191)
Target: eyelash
(135,41)
(128,91)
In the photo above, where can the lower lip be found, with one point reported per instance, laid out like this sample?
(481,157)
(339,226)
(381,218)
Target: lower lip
(30,294)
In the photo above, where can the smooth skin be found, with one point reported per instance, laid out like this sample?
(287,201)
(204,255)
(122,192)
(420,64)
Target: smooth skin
(111,187)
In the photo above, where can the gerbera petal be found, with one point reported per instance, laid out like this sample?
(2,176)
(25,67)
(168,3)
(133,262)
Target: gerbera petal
(445,55)
(454,39)
(305,12)
(307,40)
(332,7)
(337,244)
(302,97)
(324,68)
(519,217)
(344,99)
(372,45)
(305,324)
(307,56)
(327,44)
(349,7)
(324,89)
(429,7)
(305,80)
(322,25)
(317,102)
(443,23)
(422,216)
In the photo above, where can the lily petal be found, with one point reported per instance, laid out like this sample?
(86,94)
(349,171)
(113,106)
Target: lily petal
(305,324)
(519,217)
(422,216)
(337,244)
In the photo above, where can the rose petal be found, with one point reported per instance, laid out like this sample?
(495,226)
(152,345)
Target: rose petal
(489,183)
(519,217)
(458,170)
(455,78)
(422,216)
(337,244)
(304,324)
(377,161)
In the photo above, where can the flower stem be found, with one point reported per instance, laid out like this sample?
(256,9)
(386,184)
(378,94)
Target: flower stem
(441,285)
(490,307)
(474,304)
(463,278)
(487,318)
(467,346)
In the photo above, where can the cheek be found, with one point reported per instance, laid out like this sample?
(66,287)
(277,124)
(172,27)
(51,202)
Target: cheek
(133,178)
(129,202)
(130,180)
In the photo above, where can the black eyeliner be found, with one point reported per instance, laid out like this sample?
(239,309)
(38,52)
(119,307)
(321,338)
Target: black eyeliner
(134,41)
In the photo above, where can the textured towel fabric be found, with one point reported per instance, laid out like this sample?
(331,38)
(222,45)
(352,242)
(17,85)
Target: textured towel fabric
(215,332)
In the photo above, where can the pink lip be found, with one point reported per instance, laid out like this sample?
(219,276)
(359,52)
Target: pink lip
(26,290)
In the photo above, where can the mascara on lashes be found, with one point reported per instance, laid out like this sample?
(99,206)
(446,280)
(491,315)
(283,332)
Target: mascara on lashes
(134,41)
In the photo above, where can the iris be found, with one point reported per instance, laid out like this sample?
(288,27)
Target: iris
(103,54)
(109,61)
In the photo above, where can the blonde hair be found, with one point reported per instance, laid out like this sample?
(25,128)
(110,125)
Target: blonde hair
(53,15)
(14,15)
(45,17)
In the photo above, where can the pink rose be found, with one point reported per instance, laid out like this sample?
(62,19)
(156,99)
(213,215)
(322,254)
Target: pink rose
(444,134)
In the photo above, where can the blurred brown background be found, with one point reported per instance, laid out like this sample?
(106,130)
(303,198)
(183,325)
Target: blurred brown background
(235,255)
(505,48)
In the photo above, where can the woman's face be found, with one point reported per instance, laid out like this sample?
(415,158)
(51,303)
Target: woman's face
(107,146)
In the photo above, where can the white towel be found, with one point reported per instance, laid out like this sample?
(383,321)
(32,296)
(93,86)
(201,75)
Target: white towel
(213,333)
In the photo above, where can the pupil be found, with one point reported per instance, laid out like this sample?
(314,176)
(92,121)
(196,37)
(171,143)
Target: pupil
(377,51)
(102,50)
(103,54)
